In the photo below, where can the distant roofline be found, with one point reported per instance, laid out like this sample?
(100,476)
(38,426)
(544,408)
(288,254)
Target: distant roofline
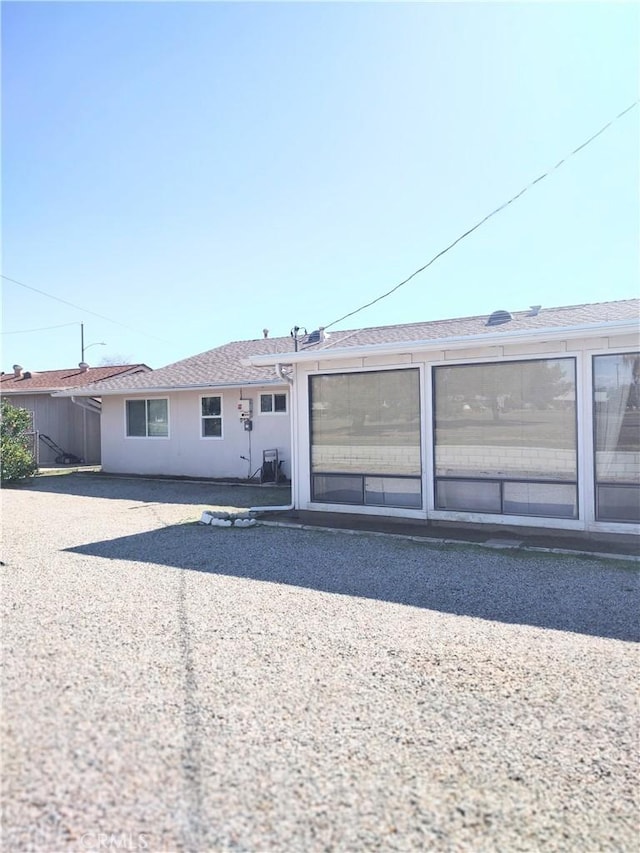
(26,388)
(77,370)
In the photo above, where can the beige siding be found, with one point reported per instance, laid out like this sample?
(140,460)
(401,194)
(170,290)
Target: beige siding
(69,426)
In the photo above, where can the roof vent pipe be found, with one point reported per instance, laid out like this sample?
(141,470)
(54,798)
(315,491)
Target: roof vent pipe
(17,370)
(499,317)
(83,367)
(265,333)
(535,310)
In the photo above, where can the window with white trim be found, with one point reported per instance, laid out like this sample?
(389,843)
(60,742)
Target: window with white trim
(505,437)
(273,404)
(147,418)
(616,412)
(211,417)
(365,438)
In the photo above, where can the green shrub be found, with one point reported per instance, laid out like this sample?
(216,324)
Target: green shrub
(16,459)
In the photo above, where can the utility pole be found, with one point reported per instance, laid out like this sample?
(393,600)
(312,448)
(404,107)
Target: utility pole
(83,347)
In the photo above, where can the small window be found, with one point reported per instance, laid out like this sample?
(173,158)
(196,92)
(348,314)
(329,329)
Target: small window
(211,412)
(147,418)
(273,403)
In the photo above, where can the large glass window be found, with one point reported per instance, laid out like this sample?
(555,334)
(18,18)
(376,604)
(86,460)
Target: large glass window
(505,438)
(616,407)
(147,418)
(365,438)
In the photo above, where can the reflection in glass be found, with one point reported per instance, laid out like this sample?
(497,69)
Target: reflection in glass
(499,423)
(366,422)
(513,420)
(365,438)
(616,407)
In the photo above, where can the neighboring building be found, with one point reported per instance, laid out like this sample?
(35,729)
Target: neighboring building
(530,418)
(209,415)
(72,424)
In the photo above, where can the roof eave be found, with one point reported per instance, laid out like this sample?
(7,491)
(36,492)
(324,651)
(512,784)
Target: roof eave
(164,389)
(22,393)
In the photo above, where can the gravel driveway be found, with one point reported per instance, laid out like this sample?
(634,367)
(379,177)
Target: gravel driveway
(175,687)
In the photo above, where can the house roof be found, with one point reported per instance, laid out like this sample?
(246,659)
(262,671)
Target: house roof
(535,318)
(46,381)
(250,362)
(223,366)
(537,322)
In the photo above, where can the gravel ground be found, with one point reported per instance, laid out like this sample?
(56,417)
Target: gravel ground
(175,687)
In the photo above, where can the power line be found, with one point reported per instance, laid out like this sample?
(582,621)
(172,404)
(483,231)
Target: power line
(80,308)
(488,216)
(41,329)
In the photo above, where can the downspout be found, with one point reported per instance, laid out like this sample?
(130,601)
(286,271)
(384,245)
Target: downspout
(285,378)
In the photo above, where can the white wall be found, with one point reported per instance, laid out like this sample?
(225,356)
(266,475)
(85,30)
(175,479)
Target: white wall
(185,453)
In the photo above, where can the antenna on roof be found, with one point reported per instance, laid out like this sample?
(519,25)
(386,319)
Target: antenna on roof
(295,334)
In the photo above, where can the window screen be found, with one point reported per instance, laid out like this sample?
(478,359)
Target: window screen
(366,423)
(616,410)
(505,438)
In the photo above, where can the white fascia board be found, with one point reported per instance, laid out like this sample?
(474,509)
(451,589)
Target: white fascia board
(43,391)
(618,327)
(165,389)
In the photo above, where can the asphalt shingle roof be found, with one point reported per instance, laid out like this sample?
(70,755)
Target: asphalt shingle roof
(522,321)
(225,365)
(44,381)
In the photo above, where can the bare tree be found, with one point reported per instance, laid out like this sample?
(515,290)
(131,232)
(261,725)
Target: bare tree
(116,358)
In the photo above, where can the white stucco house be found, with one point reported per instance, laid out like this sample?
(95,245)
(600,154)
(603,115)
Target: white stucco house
(208,416)
(529,418)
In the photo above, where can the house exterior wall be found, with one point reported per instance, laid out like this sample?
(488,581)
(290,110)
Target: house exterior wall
(184,452)
(531,461)
(71,427)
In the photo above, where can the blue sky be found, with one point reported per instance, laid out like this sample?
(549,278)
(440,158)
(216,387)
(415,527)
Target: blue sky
(197,172)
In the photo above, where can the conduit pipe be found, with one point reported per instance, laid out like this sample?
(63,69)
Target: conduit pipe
(289,380)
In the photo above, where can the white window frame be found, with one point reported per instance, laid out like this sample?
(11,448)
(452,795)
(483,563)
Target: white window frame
(589,467)
(273,403)
(579,523)
(146,400)
(219,417)
(302,414)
